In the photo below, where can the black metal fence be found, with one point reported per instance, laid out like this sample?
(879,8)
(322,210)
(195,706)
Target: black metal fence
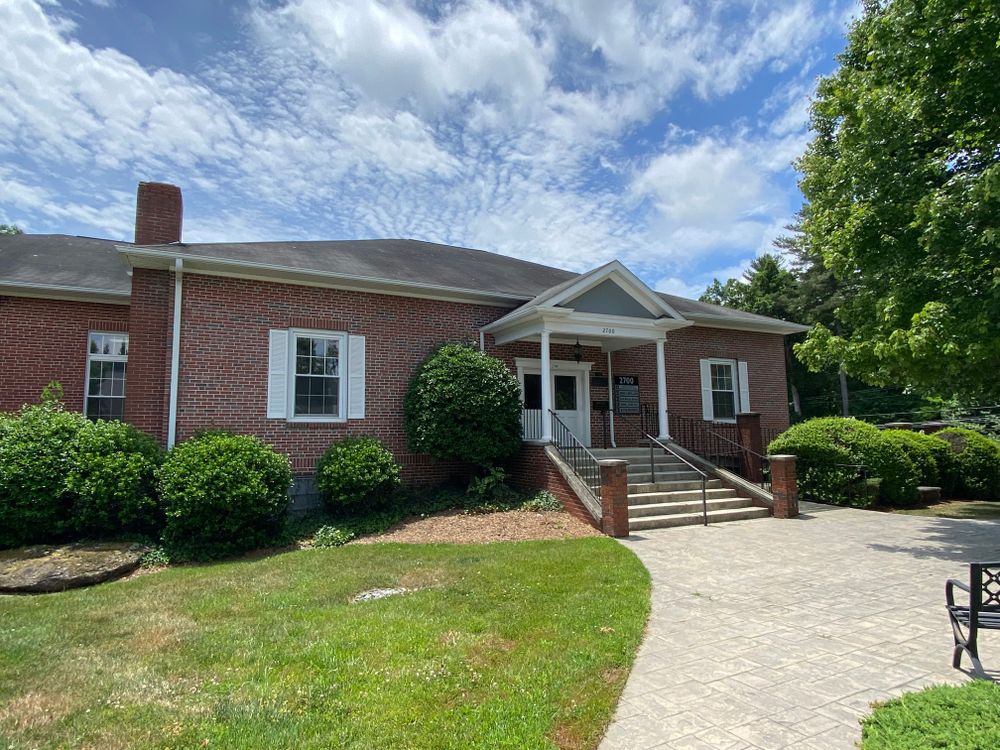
(577,455)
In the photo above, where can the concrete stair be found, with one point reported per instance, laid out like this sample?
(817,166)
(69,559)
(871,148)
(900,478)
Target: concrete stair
(674,498)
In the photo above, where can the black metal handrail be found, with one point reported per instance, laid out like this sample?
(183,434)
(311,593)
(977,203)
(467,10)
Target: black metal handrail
(652,464)
(748,455)
(579,458)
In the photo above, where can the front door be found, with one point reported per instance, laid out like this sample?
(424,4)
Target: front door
(567,402)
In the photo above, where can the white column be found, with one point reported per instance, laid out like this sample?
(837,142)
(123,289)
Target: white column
(661,392)
(546,389)
(611,402)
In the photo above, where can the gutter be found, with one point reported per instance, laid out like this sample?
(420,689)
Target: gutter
(175,353)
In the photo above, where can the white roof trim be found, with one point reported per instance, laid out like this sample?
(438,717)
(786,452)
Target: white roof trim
(58,291)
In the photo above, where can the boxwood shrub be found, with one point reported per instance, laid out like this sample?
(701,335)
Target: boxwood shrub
(110,478)
(36,447)
(354,470)
(221,494)
(932,457)
(463,405)
(976,469)
(823,443)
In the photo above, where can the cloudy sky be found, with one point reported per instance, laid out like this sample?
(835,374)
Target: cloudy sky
(564,132)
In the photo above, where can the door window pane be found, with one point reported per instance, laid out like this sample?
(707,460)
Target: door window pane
(565,392)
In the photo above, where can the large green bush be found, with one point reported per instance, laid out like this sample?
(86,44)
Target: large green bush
(464,405)
(356,469)
(36,448)
(822,444)
(932,457)
(976,463)
(221,494)
(110,478)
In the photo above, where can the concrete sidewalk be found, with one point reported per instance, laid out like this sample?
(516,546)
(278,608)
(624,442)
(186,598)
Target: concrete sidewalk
(780,633)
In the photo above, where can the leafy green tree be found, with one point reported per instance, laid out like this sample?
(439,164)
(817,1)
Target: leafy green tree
(10,229)
(767,288)
(902,183)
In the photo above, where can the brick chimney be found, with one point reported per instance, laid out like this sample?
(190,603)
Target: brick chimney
(158,213)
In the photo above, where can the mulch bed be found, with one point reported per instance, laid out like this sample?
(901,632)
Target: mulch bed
(456,527)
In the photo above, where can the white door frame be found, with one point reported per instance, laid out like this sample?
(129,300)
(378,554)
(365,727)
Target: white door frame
(563,367)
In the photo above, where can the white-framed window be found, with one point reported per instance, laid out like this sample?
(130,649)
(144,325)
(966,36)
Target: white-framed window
(107,360)
(315,376)
(725,389)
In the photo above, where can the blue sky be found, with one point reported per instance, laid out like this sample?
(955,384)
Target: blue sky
(568,133)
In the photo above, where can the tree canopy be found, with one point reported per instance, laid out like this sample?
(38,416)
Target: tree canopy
(902,188)
(10,229)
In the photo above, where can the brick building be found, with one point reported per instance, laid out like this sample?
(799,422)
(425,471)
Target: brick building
(302,343)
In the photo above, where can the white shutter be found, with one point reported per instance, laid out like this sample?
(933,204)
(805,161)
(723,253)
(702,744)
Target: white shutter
(277,375)
(356,377)
(744,388)
(707,412)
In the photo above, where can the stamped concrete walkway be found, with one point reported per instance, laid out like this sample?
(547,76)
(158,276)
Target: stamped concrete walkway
(780,633)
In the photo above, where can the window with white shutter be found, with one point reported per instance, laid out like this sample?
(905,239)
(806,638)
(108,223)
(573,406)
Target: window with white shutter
(725,389)
(315,376)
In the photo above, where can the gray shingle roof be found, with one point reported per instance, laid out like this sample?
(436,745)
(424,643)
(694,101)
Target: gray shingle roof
(85,263)
(62,261)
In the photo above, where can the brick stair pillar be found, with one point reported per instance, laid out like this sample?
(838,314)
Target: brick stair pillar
(784,487)
(750,438)
(614,497)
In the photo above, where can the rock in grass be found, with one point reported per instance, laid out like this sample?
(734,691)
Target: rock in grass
(47,568)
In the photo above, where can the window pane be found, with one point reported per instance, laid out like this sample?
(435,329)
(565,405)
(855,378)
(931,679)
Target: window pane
(565,392)
(302,346)
(318,347)
(332,366)
(95,343)
(723,405)
(532,391)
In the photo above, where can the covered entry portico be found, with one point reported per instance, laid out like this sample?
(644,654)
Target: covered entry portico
(609,308)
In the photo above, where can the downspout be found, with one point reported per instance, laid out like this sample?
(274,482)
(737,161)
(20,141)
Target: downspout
(611,403)
(482,340)
(175,354)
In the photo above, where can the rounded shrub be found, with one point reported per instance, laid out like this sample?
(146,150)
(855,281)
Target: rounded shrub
(463,405)
(976,466)
(824,443)
(111,478)
(36,449)
(356,469)
(931,456)
(222,493)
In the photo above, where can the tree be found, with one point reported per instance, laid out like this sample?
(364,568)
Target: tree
(767,288)
(902,188)
(10,229)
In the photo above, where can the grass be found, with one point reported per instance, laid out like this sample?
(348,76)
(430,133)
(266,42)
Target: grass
(500,646)
(944,716)
(974,509)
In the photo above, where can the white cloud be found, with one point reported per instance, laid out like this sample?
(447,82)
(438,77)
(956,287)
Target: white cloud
(503,125)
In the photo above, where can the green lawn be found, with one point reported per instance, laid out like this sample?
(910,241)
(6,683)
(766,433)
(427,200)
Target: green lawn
(943,716)
(519,645)
(974,509)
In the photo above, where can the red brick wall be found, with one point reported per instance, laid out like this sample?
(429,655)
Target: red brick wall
(763,353)
(224,360)
(44,340)
(146,390)
(531,469)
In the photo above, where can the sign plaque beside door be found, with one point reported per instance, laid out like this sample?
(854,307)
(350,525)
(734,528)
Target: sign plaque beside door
(626,394)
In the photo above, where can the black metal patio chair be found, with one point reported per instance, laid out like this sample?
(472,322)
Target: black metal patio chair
(981,613)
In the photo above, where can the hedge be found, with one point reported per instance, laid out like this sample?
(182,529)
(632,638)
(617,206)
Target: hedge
(823,443)
(976,463)
(36,447)
(221,494)
(356,469)
(932,457)
(463,405)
